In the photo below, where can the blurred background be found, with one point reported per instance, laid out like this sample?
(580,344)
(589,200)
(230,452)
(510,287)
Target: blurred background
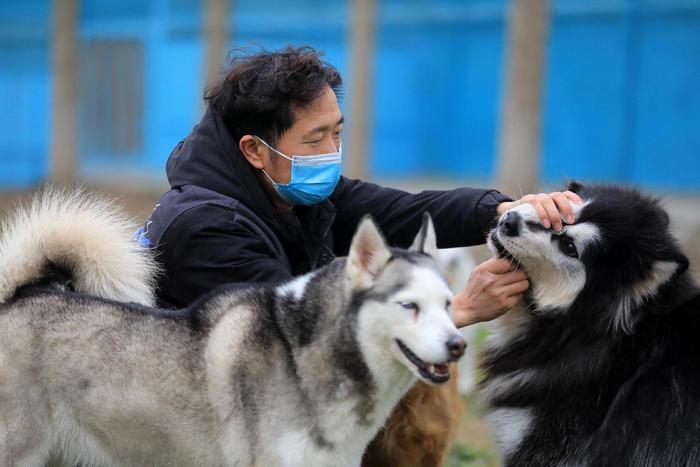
(518,95)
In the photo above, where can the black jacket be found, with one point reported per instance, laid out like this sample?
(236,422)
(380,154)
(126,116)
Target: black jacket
(218,225)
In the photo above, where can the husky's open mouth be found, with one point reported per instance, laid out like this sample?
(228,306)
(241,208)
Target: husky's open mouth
(502,252)
(435,372)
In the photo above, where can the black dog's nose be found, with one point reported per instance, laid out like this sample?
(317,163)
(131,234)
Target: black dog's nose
(510,224)
(456,346)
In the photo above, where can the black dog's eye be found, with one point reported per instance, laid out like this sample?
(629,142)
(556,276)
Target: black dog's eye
(568,247)
(409,305)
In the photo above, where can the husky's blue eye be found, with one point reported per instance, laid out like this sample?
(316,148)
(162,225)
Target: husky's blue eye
(409,305)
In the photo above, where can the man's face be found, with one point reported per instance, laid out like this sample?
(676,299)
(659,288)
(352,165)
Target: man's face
(317,130)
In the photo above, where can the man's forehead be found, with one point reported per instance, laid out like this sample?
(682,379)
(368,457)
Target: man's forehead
(322,112)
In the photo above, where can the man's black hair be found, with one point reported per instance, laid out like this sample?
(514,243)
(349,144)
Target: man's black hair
(259,91)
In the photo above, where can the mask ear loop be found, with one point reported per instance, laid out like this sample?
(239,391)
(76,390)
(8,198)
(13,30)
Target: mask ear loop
(274,183)
(275,150)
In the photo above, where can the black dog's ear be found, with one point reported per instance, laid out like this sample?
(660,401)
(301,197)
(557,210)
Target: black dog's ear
(682,262)
(573,185)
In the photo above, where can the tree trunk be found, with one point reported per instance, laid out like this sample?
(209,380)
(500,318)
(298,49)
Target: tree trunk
(361,83)
(217,35)
(518,162)
(65,92)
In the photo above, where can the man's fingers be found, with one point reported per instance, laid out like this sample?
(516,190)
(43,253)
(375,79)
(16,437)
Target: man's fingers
(498,265)
(542,214)
(573,197)
(513,300)
(515,288)
(552,213)
(511,277)
(564,205)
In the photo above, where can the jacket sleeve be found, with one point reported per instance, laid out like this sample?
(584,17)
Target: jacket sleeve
(462,216)
(205,248)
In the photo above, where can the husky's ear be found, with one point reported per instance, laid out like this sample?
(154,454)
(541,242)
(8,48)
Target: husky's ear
(368,254)
(425,241)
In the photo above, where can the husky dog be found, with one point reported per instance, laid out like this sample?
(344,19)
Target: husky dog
(601,366)
(302,373)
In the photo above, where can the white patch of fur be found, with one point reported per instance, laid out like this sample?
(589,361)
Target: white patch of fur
(661,272)
(509,427)
(296,287)
(556,278)
(584,235)
(368,255)
(508,383)
(72,438)
(289,447)
(507,327)
(88,236)
(426,332)
(556,290)
(504,331)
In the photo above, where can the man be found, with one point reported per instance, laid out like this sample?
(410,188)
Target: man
(225,220)
(257,194)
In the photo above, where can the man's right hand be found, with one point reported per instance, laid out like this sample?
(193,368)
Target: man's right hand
(493,287)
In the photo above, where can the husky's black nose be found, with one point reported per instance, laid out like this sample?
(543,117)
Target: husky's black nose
(510,224)
(455,346)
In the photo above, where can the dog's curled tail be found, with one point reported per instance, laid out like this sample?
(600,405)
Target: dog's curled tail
(86,237)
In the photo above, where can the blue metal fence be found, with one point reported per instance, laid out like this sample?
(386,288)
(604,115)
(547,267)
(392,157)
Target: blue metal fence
(620,91)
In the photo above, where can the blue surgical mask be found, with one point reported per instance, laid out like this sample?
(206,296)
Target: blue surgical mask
(313,178)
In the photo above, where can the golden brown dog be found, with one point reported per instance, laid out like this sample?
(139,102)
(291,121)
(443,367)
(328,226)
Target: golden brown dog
(421,429)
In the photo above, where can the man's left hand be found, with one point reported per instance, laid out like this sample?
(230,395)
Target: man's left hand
(552,208)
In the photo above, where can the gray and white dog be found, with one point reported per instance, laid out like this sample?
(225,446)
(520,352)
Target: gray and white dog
(303,373)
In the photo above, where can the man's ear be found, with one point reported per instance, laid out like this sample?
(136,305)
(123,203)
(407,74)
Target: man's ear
(252,149)
(368,255)
(425,241)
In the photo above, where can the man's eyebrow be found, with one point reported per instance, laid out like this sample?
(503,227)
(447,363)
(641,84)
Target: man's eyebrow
(325,127)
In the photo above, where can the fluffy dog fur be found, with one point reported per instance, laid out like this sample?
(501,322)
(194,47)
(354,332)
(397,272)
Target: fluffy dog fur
(297,374)
(601,367)
(89,236)
(421,428)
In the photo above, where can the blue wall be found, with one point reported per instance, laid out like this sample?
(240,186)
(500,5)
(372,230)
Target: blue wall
(25,84)
(621,100)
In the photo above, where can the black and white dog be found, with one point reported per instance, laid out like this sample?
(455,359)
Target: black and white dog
(601,366)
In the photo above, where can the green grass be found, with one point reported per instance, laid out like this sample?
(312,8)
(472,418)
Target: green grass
(465,456)
(473,446)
